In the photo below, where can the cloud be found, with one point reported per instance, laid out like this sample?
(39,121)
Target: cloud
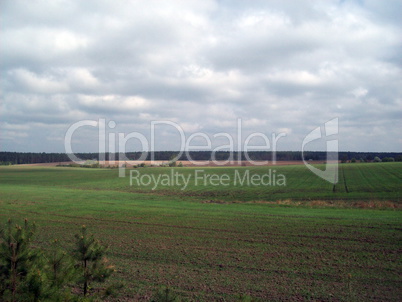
(279,66)
(107,104)
(31,82)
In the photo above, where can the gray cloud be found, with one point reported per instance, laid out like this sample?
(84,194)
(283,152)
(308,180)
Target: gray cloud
(280,66)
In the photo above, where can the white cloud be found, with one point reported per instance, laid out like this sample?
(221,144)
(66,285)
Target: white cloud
(82,78)
(295,77)
(37,84)
(112,103)
(359,92)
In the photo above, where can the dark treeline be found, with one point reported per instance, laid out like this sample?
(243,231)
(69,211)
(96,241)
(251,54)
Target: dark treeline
(32,158)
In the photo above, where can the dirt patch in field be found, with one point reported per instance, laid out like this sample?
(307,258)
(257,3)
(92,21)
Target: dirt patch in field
(45,164)
(363,204)
(214,201)
(132,163)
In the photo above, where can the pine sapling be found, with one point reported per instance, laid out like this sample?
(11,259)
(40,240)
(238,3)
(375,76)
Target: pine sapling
(92,263)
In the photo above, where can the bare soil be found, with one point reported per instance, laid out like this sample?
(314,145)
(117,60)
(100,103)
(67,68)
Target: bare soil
(184,163)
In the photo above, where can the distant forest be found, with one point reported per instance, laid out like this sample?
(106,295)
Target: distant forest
(11,158)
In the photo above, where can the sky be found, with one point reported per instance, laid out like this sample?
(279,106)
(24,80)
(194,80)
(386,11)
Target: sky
(111,75)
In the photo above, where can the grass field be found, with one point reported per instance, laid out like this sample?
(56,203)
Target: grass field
(305,240)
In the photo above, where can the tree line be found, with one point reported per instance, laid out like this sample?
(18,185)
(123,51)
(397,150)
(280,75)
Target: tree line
(13,158)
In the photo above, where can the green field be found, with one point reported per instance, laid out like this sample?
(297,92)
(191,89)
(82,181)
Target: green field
(305,240)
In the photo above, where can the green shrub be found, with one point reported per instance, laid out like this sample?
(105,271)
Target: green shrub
(28,274)
(22,275)
(165,294)
(92,264)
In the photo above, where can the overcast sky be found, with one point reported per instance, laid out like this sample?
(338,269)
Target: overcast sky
(281,66)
